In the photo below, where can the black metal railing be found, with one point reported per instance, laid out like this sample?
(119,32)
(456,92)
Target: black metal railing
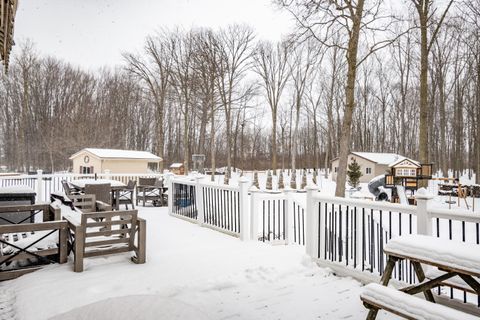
(221,208)
(184,201)
(272,219)
(355,236)
(298,217)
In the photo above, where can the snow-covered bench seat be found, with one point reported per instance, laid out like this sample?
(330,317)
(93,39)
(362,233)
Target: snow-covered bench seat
(445,254)
(408,306)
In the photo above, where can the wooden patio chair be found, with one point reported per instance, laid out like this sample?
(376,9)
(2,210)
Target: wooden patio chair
(102,192)
(126,195)
(68,189)
(88,203)
(126,232)
(149,189)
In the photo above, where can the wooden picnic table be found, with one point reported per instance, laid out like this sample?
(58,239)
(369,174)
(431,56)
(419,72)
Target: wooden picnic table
(115,185)
(451,258)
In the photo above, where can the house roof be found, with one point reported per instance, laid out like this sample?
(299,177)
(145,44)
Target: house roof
(176,165)
(415,163)
(119,154)
(378,157)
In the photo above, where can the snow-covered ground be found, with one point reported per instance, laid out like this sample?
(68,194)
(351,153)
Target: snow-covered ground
(191,273)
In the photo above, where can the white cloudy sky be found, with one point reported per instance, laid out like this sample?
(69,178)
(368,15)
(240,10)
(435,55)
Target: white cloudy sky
(93,33)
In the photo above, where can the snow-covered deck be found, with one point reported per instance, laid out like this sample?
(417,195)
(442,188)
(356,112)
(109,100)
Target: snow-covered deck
(191,273)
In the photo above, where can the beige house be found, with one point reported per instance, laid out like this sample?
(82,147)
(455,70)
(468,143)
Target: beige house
(93,160)
(372,164)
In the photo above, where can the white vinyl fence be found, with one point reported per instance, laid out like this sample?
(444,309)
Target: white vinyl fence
(347,235)
(45,184)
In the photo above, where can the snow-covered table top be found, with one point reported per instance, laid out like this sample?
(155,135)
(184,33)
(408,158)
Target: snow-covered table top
(83,182)
(456,255)
(19,189)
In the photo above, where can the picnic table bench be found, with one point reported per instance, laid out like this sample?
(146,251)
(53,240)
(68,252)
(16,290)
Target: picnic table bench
(453,259)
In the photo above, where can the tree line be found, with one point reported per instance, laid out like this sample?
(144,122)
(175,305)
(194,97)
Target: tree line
(353,75)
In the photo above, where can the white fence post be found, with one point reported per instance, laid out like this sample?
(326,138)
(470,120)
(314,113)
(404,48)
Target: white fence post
(311,238)
(107,174)
(199,199)
(40,191)
(288,216)
(244,210)
(169,178)
(253,215)
(424,221)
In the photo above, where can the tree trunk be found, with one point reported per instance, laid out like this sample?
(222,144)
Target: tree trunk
(350,101)
(423,125)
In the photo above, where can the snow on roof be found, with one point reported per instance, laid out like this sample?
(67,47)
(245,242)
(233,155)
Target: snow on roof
(415,163)
(119,154)
(380,158)
(176,165)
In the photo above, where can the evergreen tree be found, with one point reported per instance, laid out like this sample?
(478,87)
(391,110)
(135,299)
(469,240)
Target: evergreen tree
(354,173)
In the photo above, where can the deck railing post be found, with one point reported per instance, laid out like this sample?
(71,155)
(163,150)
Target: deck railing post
(424,221)
(253,214)
(288,216)
(169,181)
(311,237)
(244,209)
(40,190)
(107,174)
(199,199)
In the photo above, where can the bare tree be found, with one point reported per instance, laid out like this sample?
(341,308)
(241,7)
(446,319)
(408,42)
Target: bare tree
(271,64)
(155,71)
(425,16)
(234,47)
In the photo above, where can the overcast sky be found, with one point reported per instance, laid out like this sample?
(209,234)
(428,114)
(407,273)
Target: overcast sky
(94,33)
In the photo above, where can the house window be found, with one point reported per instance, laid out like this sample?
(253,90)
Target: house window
(406,172)
(86,170)
(368,170)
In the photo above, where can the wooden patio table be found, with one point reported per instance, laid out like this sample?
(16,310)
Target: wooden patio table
(115,185)
(451,258)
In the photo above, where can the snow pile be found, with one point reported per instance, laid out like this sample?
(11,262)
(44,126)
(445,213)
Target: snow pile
(414,307)
(7,305)
(148,307)
(453,254)
(48,242)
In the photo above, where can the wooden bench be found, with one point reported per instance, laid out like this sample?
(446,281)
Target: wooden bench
(452,258)
(103,233)
(44,242)
(407,306)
